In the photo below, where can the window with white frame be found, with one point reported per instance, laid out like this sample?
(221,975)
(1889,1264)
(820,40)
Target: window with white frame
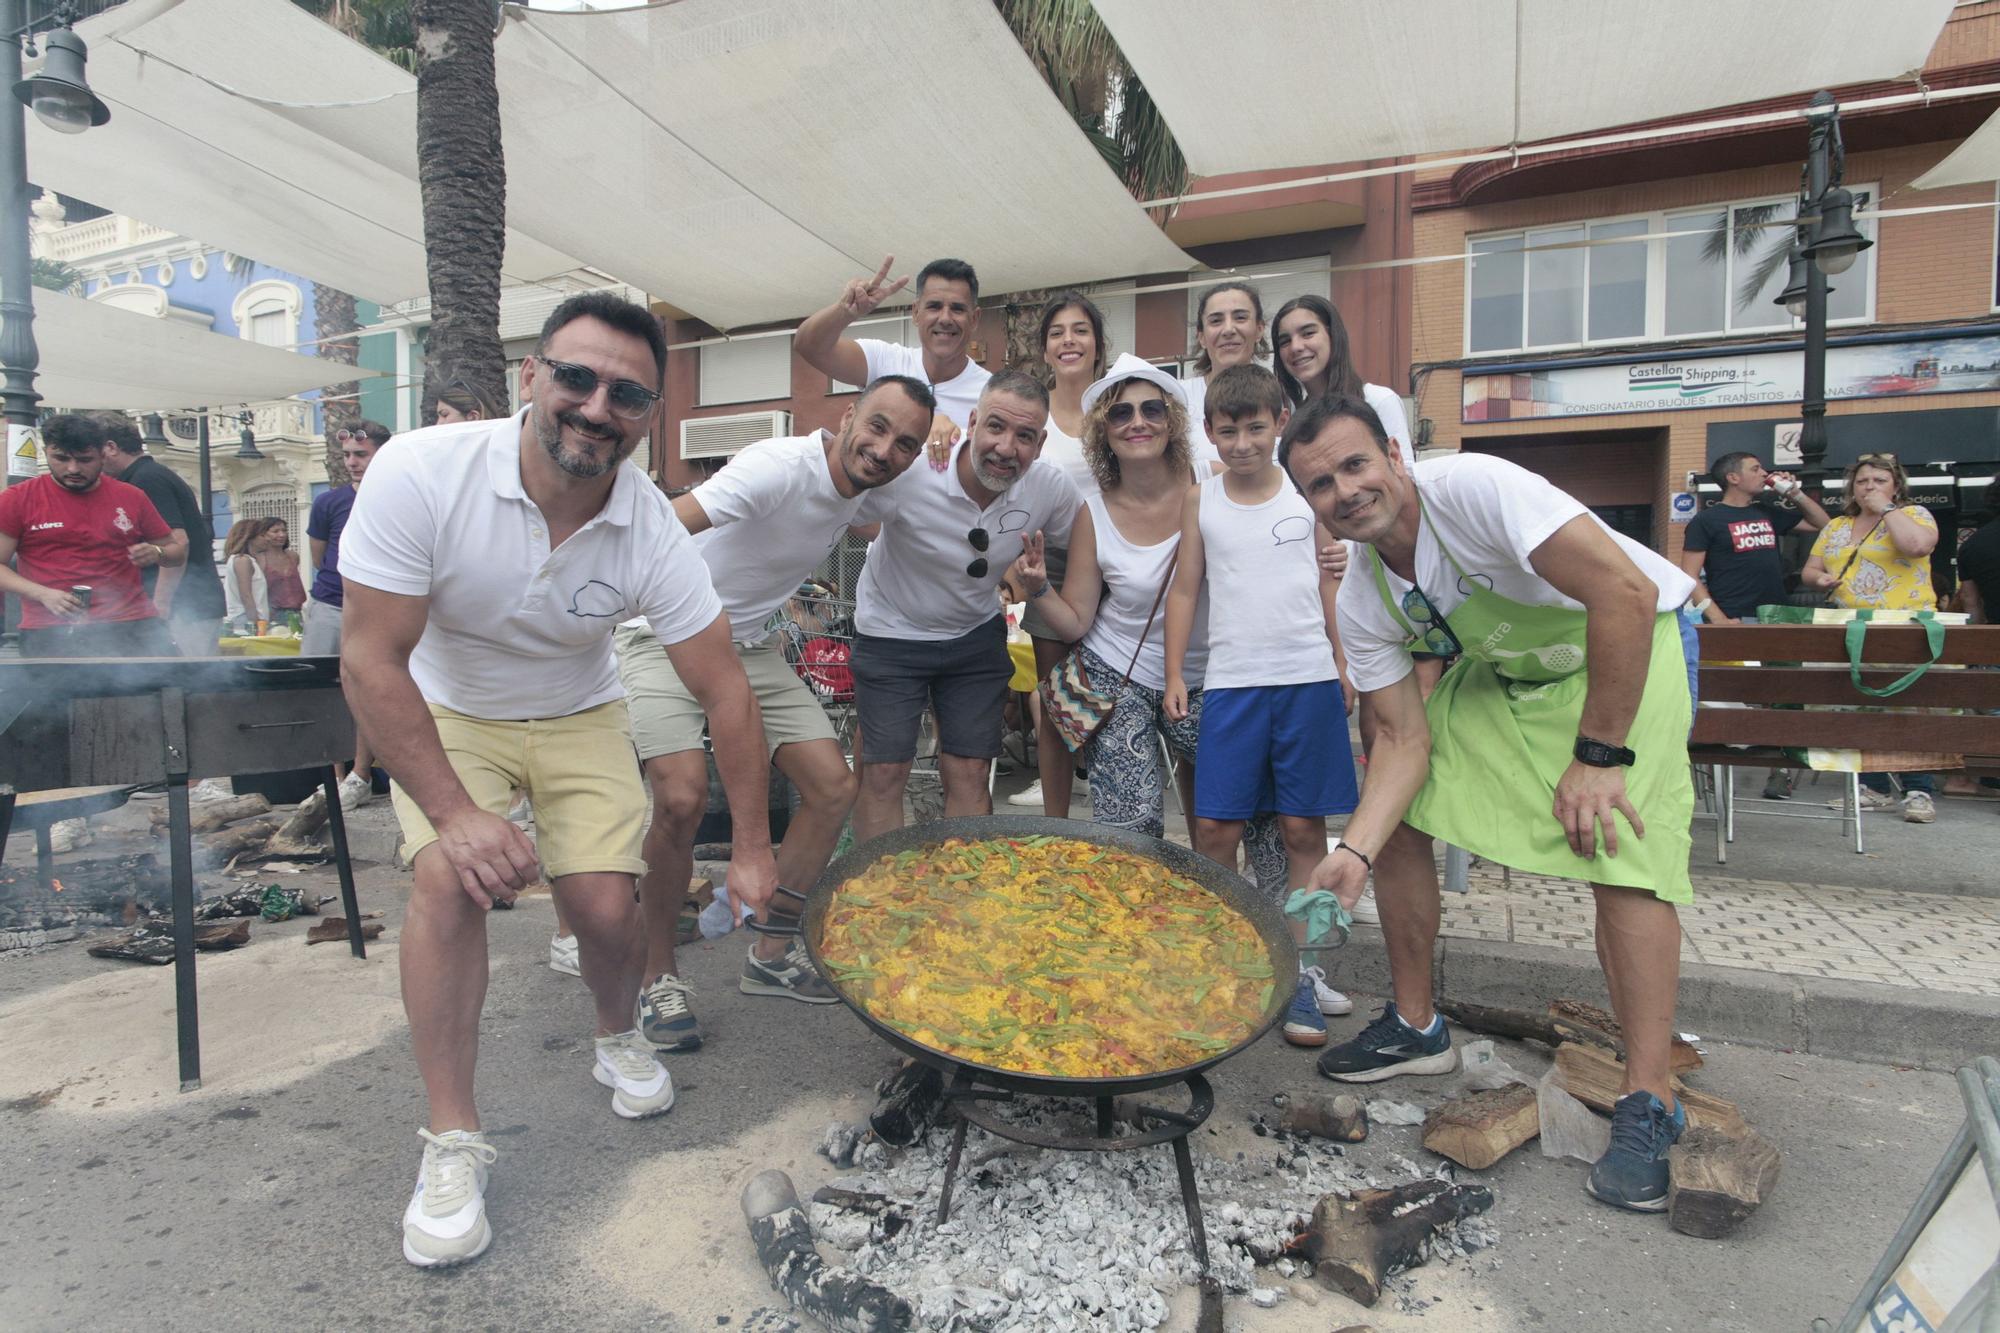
(1718,271)
(747,370)
(268,311)
(1274,284)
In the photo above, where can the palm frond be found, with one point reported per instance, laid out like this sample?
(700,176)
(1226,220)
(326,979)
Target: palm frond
(1777,252)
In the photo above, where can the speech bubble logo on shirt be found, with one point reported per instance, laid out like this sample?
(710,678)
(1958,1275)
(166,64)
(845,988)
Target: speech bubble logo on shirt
(1297,528)
(1014,520)
(597,599)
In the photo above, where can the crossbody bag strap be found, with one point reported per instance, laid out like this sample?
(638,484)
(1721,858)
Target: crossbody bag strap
(1151,616)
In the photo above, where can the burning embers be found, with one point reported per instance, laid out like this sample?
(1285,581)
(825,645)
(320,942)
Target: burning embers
(39,907)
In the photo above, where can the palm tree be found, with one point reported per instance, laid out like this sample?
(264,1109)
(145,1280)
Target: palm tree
(54,275)
(335,327)
(1753,238)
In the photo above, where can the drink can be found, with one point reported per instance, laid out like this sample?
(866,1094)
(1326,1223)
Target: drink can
(81,592)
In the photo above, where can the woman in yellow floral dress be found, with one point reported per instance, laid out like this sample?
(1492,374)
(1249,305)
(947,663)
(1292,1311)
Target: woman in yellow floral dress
(1877,554)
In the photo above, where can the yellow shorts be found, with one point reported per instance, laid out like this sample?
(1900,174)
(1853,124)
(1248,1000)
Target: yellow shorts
(667,720)
(590,804)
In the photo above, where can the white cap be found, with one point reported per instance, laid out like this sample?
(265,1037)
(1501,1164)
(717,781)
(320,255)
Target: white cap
(1129,367)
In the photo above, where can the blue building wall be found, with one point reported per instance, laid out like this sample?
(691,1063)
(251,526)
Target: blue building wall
(214,292)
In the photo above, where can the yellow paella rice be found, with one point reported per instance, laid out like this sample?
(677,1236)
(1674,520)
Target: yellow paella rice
(1047,955)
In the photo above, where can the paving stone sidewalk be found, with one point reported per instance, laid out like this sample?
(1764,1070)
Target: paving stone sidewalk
(1923,941)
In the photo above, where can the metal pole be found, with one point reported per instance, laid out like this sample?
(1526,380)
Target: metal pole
(18,353)
(1812,408)
(207,483)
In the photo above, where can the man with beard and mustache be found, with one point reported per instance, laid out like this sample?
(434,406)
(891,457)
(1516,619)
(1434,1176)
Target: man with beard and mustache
(76,527)
(945,314)
(486,566)
(763,524)
(1567,712)
(930,636)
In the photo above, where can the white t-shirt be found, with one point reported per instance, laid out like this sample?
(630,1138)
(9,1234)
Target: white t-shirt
(1065,451)
(1266,622)
(775,516)
(1133,576)
(1201,450)
(517,630)
(956,397)
(914,585)
(1491,515)
(1395,421)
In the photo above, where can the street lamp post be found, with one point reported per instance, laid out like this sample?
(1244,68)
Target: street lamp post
(1825,242)
(63,102)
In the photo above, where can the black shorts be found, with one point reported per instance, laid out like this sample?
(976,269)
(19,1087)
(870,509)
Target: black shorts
(962,680)
(147,637)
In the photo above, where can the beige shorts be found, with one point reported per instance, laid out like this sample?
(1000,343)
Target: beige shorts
(590,804)
(666,719)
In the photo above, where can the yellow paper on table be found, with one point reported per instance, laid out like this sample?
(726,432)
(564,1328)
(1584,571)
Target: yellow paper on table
(259,645)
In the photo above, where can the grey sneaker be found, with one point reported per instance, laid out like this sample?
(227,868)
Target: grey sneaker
(792,976)
(1917,808)
(664,1018)
(446,1221)
(1873,800)
(639,1083)
(563,956)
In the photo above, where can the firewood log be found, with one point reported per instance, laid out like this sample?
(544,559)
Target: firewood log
(1355,1244)
(1716,1181)
(1337,1116)
(911,1099)
(299,834)
(1566,1020)
(235,840)
(1592,1074)
(207,816)
(837,1297)
(1479,1129)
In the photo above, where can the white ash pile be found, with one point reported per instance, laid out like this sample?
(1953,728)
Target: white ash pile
(1041,1241)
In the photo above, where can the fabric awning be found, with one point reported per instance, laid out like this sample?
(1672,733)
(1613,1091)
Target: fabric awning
(1975,160)
(184,151)
(743,160)
(1251,85)
(95,356)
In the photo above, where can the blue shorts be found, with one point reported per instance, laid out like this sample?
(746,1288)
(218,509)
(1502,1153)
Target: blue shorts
(1281,748)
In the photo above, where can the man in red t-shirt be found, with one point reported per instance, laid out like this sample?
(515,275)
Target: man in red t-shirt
(75,528)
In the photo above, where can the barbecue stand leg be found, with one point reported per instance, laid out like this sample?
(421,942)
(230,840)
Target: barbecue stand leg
(951,1167)
(1103,1117)
(337,823)
(180,838)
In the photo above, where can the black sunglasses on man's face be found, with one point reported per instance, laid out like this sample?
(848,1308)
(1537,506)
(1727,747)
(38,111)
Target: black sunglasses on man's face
(629,398)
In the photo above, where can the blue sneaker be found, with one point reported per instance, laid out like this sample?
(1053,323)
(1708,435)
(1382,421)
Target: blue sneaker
(1304,1024)
(1633,1173)
(1387,1047)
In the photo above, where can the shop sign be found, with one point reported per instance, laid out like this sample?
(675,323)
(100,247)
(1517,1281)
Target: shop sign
(1872,370)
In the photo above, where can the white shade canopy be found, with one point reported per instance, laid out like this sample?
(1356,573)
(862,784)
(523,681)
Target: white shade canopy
(742,159)
(183,153)
(96,356)
(1975,160)
(1251,85)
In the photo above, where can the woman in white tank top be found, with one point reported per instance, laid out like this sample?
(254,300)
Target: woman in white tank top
(1112,603)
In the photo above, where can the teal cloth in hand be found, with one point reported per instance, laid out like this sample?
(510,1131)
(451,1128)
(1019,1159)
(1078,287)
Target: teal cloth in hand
(1323,915)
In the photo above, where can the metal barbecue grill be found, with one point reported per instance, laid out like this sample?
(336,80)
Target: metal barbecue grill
(969,1083)
(77,722)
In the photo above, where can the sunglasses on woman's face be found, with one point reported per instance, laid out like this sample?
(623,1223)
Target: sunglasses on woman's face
(977,569)
(1153,409)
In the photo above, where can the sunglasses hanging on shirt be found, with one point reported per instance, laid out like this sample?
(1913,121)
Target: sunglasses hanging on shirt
(979,539)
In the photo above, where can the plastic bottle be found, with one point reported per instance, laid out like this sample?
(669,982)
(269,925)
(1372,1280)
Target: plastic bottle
(715,919)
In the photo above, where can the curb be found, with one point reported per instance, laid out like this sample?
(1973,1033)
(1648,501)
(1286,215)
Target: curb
(1848,1020)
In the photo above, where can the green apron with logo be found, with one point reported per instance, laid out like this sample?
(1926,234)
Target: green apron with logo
(1504,722)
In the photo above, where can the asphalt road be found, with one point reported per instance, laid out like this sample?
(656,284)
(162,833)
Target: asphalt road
(273,1196)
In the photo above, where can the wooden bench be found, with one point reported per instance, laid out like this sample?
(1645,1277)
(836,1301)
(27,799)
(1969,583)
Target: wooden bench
(1807,665)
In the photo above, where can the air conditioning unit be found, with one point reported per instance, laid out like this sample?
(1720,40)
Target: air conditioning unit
(724,437)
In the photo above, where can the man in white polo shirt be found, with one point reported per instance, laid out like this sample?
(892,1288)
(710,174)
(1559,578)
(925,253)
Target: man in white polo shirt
(930,636)
(485,567)
(946,314)
(762,525)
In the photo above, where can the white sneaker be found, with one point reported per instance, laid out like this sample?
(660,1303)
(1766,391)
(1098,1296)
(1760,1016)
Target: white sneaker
(355,791)
(446,1220)
(563,956)
(638,1081)
(1030,797)
(1917,808)
(1364,910)
(1330,1000)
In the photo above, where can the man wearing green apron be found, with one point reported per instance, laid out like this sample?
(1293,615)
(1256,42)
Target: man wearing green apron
(1557,744)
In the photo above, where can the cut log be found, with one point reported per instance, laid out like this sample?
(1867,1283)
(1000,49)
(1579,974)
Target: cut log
(1716,1181)
(1574,1020)
(891,1215)
(1592,1074)
(299,834)
(1478,1130)
(335,928)
(1337,1116)
(839,1298)
(911,1099)
(235,840)
(1566,1020)
(1355,1244)
(207,816)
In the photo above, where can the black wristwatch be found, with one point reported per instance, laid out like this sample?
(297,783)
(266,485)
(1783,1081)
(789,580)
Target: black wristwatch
(1599,755)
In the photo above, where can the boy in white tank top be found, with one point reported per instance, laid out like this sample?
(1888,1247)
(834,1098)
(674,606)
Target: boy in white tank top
(1274,721)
